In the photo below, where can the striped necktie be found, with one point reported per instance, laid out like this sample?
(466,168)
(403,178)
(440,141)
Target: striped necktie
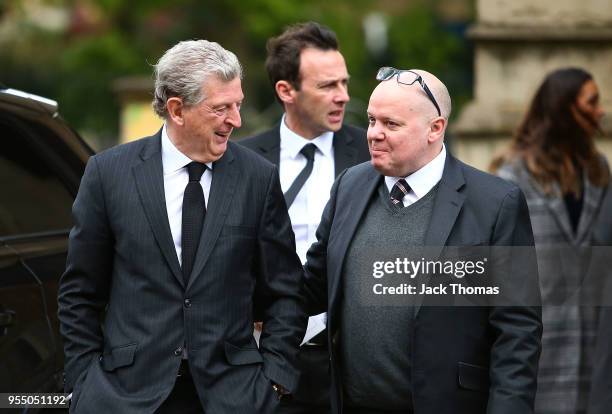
(399,191)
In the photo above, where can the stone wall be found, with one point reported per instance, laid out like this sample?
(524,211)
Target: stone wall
(516,44)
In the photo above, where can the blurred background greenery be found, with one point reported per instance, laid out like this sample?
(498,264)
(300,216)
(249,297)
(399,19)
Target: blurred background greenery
(73,50)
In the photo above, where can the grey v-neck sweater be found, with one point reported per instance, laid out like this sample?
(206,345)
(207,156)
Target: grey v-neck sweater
(375,346)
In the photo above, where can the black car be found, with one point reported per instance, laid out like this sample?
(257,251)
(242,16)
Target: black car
(41,163)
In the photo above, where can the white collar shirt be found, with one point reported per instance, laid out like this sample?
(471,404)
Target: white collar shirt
(422,180)
(306,210)
(176,177)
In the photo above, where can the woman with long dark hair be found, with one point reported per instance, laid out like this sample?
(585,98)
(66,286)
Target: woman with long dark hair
(553,158)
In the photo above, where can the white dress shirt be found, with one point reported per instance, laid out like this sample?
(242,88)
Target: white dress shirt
(422,180)
(176,178)
(306,210)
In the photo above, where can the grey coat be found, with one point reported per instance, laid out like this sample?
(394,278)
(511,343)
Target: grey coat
(569,329)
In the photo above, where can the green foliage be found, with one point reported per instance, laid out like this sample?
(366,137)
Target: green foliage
(418,40)
(78,67)
(86,71)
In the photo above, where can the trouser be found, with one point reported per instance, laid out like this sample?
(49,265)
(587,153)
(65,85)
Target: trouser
(184,397)
(312,393)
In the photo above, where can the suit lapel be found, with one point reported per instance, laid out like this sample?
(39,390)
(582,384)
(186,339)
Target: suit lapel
(225,177)
(591,202)
(269,147)
(149,176)
(556,205)
(348,220)
(344,153)
(447,205)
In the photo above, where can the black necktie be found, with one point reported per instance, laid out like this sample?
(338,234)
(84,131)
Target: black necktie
(194,211)
(307,151)
(399,190)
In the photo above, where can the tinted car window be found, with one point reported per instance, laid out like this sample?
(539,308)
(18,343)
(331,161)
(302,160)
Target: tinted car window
(41,162)
(36,199)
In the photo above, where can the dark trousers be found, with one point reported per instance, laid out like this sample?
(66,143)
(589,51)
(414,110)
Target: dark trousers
(312,393)
(184,397)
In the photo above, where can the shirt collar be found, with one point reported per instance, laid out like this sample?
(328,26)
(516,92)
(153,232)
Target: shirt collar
(173,159)
(293,143)
(424,179)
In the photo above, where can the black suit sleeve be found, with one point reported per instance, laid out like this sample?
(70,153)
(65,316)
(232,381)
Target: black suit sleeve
(84,286)
(315,269)
(518,329)
(279,280)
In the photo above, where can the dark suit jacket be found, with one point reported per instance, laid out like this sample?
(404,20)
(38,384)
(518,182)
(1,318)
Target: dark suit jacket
(464,359)
(350,146)
(123,269)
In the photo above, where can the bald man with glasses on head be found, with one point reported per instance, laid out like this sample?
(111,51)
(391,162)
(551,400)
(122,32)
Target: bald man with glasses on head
(414,357)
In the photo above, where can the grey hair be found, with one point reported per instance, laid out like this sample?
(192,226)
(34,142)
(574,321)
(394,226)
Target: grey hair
(183,69)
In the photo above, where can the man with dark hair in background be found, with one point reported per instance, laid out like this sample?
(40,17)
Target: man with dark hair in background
(311,146)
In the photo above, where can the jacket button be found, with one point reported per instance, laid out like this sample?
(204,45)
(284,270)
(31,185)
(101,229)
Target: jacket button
(187,303)
(178,351)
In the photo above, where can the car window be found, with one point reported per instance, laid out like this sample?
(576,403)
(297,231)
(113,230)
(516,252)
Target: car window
(33,198)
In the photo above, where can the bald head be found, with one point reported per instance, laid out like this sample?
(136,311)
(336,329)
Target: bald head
(438,90)
(422,102)
(405,131)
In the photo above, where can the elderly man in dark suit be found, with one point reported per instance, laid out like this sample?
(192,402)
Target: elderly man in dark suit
(420,358)
(311,146)
(172,236)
